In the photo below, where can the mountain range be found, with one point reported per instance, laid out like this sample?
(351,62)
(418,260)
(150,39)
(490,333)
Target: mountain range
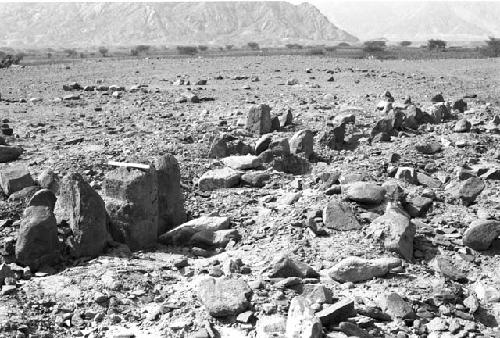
(171,23)
(415,20)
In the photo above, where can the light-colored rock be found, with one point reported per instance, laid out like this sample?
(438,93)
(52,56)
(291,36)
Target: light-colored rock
(301,321)
(14,178)
(183,233)
(364,192)
(355,269)
(219,178)
(242,162)
(224,297)
(302,143)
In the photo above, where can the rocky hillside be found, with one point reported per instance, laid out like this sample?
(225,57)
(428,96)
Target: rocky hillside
(86,24)
(416,21)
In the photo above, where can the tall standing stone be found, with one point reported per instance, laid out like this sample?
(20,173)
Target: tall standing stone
(131,197)
(259,119)
(82,207)
(171,211)
(302,142)
(37,243)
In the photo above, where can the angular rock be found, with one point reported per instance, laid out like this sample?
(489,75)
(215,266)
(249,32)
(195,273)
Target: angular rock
(462,126)
(355,269)
(418,206)
(49,180)
(397,232)
(263,143)
(37,243)
(273,326)
(338,312)
(317,293)
(259,119)
(301,321)
(353,330)
(470,189)
(171,211)
(219,178)
(428,181)
(285,267)
(302,142)
(224,297)
(131,198)
(481,233)
(84,210)
(286,119)
(9,153)
(428,148)
(364,192)
(406,174)
(242,162)
(218,238)
(339,216)
(15,178)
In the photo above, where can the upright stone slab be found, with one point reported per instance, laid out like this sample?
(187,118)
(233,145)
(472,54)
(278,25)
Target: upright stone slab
(259,119)
(82,207)
(131,197)
(171,211)
(37,243)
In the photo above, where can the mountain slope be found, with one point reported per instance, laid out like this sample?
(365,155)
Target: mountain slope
(416,20)
(80,24)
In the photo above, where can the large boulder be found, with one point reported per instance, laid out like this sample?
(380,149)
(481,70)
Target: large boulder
(131,198)
(37,243)
(259,119)
(84,210)
(481,233)
(15,178)
(339,216)
(9,153)
(224,297)
(171,211)
(356,269)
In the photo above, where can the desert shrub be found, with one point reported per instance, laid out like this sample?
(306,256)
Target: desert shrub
(103,51)
(70,52)
(202,48)
(316,51)
(140,49)
(187,50)
(7,60)
(374,46)
(294,46)
(229,47)
(253,45)
(492,48)
(436,44)
(405,43)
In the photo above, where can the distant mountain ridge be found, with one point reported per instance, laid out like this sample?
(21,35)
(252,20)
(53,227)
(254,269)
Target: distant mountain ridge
(93,24)
(416,20)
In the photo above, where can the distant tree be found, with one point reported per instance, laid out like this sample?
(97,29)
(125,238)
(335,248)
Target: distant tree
(436,44)
(492,48)
(229,47)
(103,51)
(331,48)
(374,46)
(187,50)
(405,43)
(202,48)
(316,50)
(253,45)
(140,49)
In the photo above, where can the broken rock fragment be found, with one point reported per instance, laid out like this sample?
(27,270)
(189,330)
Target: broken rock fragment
(364,192)
(9,153)
(242,162)
(182,234)
(259,119)
(15,178)
(224,297)
(82,207)
(301,321)
(286,266)
(338,312)
(302,142)
(339,216)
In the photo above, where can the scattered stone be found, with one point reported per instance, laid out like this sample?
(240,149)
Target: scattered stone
(242,162)
(288,267)
(462,126)
(302,142)
(224,297)
(255,178)
(15,178)
(428,148)
(339,216)
(259,119)
(470,189)
(395,306)
(219,178)
(355,269)
(364,192)
(182,234)
(301,321)
(338,312)
(481,233)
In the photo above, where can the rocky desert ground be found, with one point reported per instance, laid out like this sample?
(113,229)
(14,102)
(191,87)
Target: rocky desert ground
(253,196)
